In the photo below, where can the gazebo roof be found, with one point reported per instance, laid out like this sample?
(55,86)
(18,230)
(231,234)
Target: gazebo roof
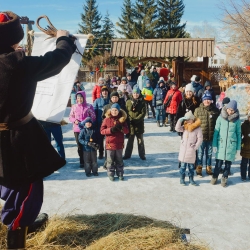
(175,47)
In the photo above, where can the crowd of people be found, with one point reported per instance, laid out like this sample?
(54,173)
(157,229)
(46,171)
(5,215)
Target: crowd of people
(205,126)
(119,108)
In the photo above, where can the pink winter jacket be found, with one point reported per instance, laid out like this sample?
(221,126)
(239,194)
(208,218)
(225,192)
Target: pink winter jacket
(191,140)
(81,111)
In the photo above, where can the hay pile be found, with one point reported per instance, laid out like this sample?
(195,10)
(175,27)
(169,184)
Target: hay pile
(106,231)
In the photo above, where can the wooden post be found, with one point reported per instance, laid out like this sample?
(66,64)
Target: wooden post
(175,69)
(178,66)
(121,67)
(180,71)
(204,74)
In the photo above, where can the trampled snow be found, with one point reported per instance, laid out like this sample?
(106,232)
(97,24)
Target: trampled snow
(216,215)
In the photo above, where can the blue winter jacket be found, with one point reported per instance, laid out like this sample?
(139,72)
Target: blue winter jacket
(159,94)
(197,87)
(98,105)
(85,136)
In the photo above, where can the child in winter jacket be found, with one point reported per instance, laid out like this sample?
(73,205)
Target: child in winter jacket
(78,113)
(191,140)
(147,92)
(245,149)
(87,138)
(96,92)
(208,115)
(226,140)
(114,126)
(125,89)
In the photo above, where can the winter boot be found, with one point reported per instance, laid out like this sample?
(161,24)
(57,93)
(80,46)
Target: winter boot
(16,239)
(112,178)
(182,180)
(223,181)
(121,178)
(191,181)
(209,170)
(199,170)
(39,223)
(213,180)
(158,124)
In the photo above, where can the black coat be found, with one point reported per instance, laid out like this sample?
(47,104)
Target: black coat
(187,105)
(26,154)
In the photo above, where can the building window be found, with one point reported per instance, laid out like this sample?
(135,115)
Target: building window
(215,61)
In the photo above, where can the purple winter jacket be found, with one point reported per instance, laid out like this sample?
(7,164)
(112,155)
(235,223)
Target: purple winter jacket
(81,111)
(191,140)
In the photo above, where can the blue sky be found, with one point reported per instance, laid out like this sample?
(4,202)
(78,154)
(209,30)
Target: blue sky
(65,14)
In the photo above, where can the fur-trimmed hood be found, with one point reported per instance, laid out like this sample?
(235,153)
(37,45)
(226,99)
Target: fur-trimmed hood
(231,118)
(122,115)
(191,127)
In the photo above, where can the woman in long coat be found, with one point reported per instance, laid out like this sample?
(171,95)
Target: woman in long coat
(26,154)
(226,140)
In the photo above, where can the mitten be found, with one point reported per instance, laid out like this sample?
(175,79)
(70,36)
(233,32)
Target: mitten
(95,146)
(113,130)
(118,126)
(215,150)
(182,119)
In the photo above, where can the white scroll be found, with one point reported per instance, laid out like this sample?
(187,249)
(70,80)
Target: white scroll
(52,94)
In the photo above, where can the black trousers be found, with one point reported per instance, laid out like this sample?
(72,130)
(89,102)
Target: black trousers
(149,103)
(172,121)
(79,147)
(244,167)
(130,145)
(218,166)
(90,162)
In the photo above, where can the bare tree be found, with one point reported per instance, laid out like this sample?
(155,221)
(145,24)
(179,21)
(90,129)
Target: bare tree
(205,30)
(237,27)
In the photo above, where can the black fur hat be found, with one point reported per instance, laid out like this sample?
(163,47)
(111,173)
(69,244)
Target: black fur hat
(11,31)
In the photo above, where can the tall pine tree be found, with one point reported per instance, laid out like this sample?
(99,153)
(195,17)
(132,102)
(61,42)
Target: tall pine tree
(90,19)
(146,19)
(169,22)
(107,31)
(90,25)
(126,22)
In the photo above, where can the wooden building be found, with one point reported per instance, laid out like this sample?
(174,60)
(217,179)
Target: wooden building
(159,49)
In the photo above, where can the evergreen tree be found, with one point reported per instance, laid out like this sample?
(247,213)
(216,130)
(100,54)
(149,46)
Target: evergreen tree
(126,21)
(90,19)
(107,32)
(170,14)
(146,19)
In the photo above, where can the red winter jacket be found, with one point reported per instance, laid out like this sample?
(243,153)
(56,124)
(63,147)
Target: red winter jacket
(96,93)
(176,100)
(115,140)
(164,72)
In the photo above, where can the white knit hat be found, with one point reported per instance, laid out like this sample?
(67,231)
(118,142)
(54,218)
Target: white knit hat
(189,115)
(189,87)
(193,78)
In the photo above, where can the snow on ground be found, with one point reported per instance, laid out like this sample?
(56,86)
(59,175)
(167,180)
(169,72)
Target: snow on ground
(216,215)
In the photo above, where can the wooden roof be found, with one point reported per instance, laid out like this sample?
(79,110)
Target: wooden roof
(183,47)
